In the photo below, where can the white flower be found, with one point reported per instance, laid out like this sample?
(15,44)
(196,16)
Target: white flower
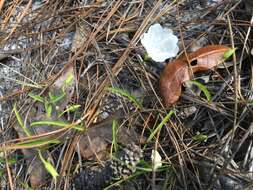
(160,43)
(156,159)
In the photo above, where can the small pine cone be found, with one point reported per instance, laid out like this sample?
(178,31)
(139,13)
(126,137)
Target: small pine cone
(125,162)
(122,166)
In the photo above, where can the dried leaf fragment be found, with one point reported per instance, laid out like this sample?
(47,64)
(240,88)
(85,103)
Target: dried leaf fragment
(173,75)
(179,71)
(207,57)
(95,141)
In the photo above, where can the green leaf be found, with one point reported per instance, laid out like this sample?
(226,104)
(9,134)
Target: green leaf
(125,94)
(20,121)
(37,142)
(49,167)
(55,98)
(71,108)
(10,160)
(115,127)
(48,108)
(200,137)
(159,127)
(202,88)
(1,172)
(57,123)
(36,97)
(69,80)
(229,53)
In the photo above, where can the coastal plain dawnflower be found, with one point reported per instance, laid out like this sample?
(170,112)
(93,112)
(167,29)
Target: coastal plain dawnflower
(160,43)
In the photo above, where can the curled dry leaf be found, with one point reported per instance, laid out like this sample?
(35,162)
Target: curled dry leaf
(173,75)
(179,71)
(207,57)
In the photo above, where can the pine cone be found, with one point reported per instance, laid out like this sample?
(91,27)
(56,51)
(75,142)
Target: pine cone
(123,165)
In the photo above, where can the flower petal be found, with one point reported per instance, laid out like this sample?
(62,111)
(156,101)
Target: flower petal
(156,159)
(160,43)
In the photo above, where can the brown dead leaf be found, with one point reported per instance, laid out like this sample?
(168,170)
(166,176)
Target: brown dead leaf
(36,170)
(94,143)
(179,71)
(81,35)
(207,57)
(173,75)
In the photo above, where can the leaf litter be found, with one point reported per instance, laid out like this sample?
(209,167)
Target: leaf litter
(97,43)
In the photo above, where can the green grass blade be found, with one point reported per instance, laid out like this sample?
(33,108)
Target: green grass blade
(125,94)
(31,143)
(48,108)
(36,143)
(202,88)
(159,127)
(36,97)
(55,98)
(57,124)
(71,108)
(115,127)
(49,167)
(229,53)
(20,121)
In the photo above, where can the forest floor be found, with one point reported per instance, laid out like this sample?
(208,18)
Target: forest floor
(81,105)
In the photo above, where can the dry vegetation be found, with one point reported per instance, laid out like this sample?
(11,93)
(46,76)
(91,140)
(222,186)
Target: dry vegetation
(81,48)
